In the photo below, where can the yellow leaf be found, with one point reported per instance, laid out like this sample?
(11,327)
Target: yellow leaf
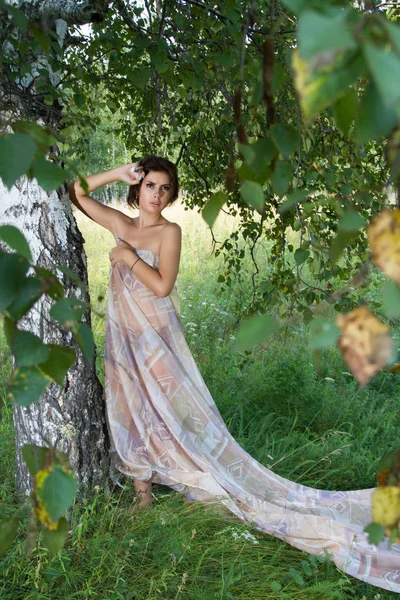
(41,512)
(386,506)
(384,239)
(365,343)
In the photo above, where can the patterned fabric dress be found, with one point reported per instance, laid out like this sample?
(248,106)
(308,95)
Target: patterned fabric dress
(166,427)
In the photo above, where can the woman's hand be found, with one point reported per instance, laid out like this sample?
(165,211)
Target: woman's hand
(122,253)
(132,173)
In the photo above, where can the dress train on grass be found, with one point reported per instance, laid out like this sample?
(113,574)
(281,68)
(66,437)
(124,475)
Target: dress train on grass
(166,427)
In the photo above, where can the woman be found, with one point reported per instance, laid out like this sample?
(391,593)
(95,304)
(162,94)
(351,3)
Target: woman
(141,243)
(164,424)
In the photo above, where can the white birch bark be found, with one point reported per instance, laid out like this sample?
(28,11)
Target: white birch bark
(71,418)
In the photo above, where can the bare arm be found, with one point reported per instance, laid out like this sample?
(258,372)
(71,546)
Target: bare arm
(108,217)
(161,280)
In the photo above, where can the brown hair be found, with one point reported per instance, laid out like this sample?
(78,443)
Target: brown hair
(155,163)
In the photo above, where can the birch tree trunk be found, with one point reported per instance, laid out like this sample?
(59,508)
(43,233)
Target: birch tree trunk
(71,418)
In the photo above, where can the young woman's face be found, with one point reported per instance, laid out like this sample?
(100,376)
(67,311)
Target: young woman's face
(155,191)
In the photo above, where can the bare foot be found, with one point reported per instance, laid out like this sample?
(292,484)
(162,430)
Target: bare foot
(143,493)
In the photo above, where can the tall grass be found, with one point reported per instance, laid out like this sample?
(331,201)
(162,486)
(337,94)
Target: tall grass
(309,422)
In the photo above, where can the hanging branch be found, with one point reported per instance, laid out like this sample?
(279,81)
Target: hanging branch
(123,11)
(267,70)
(162,19)
(237,113)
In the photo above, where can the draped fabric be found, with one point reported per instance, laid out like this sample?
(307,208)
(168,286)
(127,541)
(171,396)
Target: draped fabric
(165,427)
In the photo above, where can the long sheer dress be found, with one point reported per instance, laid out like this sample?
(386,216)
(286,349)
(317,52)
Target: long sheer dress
(166,427)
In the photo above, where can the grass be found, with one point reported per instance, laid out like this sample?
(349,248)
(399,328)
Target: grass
(309,422)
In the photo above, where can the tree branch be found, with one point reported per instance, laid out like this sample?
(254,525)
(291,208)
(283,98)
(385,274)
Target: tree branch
(210,10)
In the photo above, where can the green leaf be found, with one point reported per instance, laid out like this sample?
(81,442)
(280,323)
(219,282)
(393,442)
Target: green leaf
(294,198)
(319,33)
(247,152)
(8,532)
(141,43)
(212,208)
(18,16)
(297,576)
(253,194)
(67,309)
(35,457)
(59,362)
(275,586)
(54,539)
(39,134)
(226,60)
(375,532)
(9,328)
(391,299)
(16,240)
(341,241)
(285,137)
(28,349)
(26,385)
(394,33)
(140,77)
(255,331)
(281,177)
(13,268)
(320,87)
(305,565)
(385,70)
(84,336)
(50,284)
(324,333)
(49,175)
(351,221)
(296,6)
(29,293)
(344,110)
(16,154)
(279,77)
(264,152)
(79,99)
(58,492)
(373,119)
(159,62)
(41,35)
(300,256)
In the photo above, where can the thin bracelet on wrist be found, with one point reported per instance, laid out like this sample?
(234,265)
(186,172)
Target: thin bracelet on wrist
(138,258)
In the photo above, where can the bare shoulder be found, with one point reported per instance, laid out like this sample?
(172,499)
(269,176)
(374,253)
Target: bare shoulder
(171,230)
(171,239)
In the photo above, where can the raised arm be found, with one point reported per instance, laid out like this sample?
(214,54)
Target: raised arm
(108,217)
(161,280)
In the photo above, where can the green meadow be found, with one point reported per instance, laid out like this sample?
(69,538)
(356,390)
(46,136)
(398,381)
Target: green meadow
(303,416)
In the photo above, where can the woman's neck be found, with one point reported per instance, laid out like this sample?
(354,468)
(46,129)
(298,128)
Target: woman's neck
(145,220)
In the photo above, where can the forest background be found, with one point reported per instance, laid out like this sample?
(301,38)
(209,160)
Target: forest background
(284,116)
